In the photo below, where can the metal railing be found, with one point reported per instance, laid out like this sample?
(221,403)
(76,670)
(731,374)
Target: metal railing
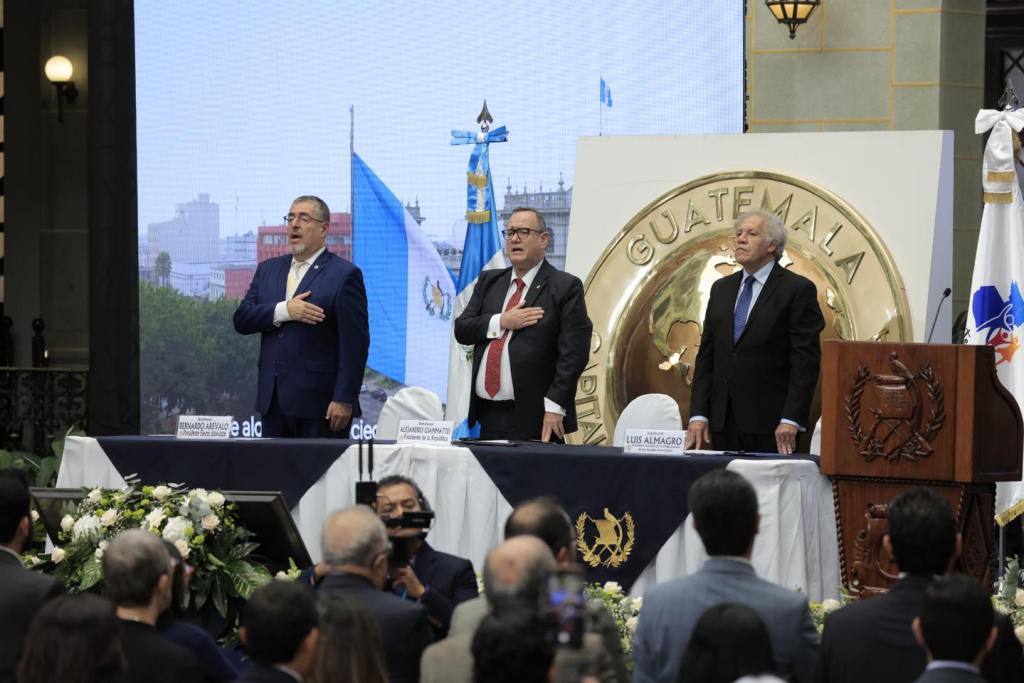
(38,405)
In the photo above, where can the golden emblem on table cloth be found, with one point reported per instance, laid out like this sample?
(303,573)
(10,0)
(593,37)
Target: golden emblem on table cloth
(611,538)
(648,291)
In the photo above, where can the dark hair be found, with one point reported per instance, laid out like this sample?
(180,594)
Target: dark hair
(15,502)
(724,507)
(398,479)
(544,518)
(132,565)
(73,639)
(350,646)
(542,224)
(956,618)
(277,618)
(321,206)
(729,641)
(176,610)
(922,528)
(512,648)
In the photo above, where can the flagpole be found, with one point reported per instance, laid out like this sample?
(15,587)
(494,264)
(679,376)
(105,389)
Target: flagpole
(600,113)
(351,174)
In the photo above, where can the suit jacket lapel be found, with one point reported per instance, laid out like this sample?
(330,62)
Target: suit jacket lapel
(731,287)
(312,272)
(494,298)
(540,280)
(770,285)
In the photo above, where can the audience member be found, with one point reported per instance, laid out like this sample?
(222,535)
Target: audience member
(871,640)
(547,520)
(279,631)
(73,639)
(137,576)
(171,625)
(355,548)
(511,647)
(729,641)
(724,509)
(22,592)
(436,580)
(956,629)
(350,649)
(515,582)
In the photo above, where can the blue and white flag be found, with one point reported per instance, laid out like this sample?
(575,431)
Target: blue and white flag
(481,251)
(606,94)
(410,293)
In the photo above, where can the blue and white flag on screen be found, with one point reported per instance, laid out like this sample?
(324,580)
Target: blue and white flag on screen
(410,293)
(606,94)
(481,251)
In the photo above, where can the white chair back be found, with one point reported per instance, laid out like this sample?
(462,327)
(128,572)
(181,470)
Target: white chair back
(650,411)
(410,403)
(815,448)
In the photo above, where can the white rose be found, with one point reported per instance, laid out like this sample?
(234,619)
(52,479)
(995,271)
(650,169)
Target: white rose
(174,530)
(1018,598)
(94,495)
(31,560)
(57,556)
(182,545)
(830,605)
(201,494)
(155,518)
(612,588)
(161,492)
(210,522)
(100,550)
(637,604)
(281,576)
(35,516)
(67,523)
(631,624)
(87,525)
(216,499)
(108,517)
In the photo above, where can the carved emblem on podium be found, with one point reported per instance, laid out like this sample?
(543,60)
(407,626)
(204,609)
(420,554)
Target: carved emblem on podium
(903,424)
(614,540)
(873,568)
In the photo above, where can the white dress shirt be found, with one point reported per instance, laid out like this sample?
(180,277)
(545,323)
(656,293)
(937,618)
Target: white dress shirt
(506,392)
(300,267)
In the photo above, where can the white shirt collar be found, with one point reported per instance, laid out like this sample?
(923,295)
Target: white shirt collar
(291,672)
(311,259)
(762,273)
(528,278)
(951,664)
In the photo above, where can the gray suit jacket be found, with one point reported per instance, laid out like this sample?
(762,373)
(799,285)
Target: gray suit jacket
(672,609)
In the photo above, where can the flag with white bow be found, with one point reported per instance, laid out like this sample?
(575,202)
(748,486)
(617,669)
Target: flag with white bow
(996,312)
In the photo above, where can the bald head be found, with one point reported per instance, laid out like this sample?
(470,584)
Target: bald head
(516,571)
(353,536)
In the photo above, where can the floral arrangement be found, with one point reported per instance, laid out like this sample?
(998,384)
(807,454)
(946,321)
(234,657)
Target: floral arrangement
(1009,598)
(201,524)
(624,609)
(820,610)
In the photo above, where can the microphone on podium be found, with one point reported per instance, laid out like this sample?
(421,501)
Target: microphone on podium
(945,295)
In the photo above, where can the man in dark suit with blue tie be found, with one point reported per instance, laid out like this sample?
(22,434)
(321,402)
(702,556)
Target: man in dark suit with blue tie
(310,310)
(759,353)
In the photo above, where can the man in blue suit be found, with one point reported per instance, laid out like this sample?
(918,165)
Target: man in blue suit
(310,310)
(724,508)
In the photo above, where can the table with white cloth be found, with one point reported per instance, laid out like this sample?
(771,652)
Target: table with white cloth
(796,546)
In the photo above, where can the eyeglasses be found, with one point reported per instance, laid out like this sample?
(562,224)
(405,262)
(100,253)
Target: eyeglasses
(522,233)
(303,218)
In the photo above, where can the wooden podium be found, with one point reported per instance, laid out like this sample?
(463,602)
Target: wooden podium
(896,416)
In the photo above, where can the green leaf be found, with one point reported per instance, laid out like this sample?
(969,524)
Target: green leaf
(47,474)
(92,574)
(217,595)
(246,577)
(242,550)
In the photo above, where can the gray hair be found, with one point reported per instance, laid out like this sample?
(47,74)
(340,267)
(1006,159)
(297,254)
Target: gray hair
(515,573)
(132,564)
(355,536)
(542,224)
(774,229)
(321,206)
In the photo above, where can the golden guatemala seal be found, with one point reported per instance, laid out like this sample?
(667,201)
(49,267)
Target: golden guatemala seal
(648,292)
(612,543)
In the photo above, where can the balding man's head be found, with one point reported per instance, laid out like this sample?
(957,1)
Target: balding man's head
(515,573)
(548,521)
(353,536)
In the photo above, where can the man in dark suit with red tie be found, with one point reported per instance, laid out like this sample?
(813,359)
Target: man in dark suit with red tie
(529,328)
(310,309)
(759,354)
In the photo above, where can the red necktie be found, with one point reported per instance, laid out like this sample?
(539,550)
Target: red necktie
(492,374)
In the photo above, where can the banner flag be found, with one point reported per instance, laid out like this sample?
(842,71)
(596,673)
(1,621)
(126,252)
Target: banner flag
(606,94)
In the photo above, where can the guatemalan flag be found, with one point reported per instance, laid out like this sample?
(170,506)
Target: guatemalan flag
(481,251)
(996,313)
(410,293)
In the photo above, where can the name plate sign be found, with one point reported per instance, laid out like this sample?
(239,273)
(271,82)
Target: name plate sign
(204,427)
(656,441)
(434,432)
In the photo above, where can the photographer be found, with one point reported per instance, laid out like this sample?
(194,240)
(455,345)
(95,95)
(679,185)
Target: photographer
(417,572)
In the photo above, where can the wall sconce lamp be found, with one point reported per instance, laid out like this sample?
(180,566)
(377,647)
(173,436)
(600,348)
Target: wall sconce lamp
(58,71)
(793,13)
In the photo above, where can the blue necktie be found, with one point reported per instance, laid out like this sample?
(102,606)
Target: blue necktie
(739,316)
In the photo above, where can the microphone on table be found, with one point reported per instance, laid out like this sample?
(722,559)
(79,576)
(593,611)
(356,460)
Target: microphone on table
(945,295)
(366,491)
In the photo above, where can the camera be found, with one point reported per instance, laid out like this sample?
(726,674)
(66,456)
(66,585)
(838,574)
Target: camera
(402,548)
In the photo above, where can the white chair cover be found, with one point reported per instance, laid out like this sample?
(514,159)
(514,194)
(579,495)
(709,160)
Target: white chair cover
(815,448)
(410,403)
(650,411)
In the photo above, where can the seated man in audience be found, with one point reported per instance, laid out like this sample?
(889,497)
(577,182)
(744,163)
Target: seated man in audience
(436,580)
(22,592)
(547,520)
(279,631)
(515,582)
(724,509)
(871,640)
(355,547)
(956,629)
(137,576)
